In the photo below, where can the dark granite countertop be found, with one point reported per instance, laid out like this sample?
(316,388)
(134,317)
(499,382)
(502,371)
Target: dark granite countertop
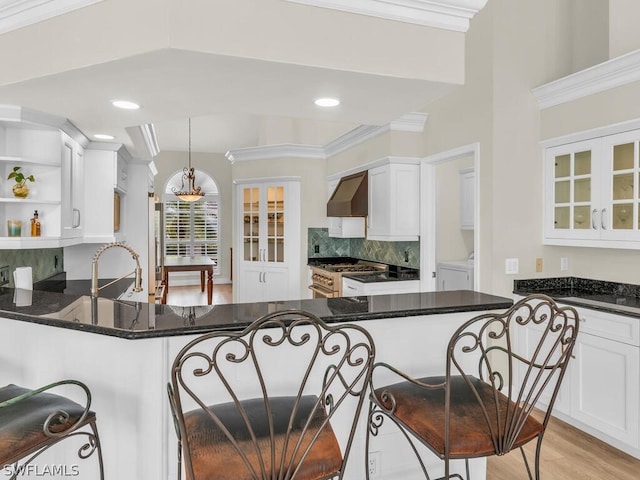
(612,297)
(136,320)
(375,277)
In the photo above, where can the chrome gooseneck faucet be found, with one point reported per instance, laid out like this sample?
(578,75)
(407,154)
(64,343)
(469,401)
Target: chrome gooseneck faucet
(94,269)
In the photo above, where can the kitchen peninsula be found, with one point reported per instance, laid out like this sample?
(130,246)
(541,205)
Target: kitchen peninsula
(123,351)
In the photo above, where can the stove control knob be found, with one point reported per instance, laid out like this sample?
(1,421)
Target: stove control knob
(330,282)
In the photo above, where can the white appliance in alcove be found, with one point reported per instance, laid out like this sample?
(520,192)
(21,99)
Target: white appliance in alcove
(456,275)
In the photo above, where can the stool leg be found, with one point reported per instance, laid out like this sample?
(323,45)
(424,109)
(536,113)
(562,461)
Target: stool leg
(94,428)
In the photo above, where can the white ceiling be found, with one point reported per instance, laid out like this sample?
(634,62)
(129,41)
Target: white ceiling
(226,96)
(234,102)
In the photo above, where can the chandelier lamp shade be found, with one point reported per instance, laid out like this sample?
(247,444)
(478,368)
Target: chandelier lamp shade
(192,193)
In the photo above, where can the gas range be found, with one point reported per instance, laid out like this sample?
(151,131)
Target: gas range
(327,277)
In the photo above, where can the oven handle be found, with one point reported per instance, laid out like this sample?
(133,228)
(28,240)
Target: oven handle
(322,291)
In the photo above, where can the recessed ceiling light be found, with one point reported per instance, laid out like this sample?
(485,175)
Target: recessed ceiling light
(103,136)
(327,102)
(126,104)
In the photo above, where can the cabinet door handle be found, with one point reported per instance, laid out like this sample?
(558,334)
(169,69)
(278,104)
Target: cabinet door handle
(593,218)
(76,218)
(602,219)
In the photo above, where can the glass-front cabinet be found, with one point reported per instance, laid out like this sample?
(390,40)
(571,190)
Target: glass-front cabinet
(591,192)
(268,240)
(621,215)
(264,224)
(571,191)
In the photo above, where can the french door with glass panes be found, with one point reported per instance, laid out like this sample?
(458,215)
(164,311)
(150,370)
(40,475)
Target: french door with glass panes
(268,240)
(592,192)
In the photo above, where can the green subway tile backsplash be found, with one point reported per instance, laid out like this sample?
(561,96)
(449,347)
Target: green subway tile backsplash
(393,253)
(44,262)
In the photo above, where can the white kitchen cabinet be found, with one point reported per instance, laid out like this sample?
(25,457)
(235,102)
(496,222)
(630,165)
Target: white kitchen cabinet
(121,171)
(592,196)
(268,240)
(355,288)
(455,275)
(345,227)
(105,175)
(604,385)
(49,148)
(600,393)
(37,151)
(72,188)
(394,201)
(467,198)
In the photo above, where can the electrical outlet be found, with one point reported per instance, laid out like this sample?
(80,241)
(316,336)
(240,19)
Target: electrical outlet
(316,249)
(4,275)
(538,264)
(564,264)
(374,464)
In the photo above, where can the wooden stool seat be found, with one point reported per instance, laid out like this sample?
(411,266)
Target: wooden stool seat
(470,435)
(282,399)
(21,424)
(212,451)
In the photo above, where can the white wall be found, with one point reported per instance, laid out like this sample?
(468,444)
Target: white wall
(452,243)
(624,35)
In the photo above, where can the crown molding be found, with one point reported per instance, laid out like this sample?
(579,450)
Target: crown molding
(22,116)
(411,122)
(267,152)
(446,14)
(352,138)
(599,78)
(16,14)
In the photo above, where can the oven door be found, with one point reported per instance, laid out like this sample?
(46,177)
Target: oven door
(320,291)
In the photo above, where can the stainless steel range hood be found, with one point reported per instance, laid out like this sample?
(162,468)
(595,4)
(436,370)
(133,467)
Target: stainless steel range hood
(351,197)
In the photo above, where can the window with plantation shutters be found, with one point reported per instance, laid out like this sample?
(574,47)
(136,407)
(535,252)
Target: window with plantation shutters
(192,228)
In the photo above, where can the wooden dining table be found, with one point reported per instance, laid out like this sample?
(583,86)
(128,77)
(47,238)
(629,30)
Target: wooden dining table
(201,263)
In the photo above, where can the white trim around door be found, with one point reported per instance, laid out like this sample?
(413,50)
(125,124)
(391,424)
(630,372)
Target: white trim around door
(428,222)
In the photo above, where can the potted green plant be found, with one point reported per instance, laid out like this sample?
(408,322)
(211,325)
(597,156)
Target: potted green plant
(20,189)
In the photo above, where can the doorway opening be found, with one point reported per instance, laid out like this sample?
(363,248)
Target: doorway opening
(450,227)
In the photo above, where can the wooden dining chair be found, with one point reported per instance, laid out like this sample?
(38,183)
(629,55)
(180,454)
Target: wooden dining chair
(32,421)
(500,368)
(277,400)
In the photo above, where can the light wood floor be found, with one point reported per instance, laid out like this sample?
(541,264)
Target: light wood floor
(191,295)
(567,454)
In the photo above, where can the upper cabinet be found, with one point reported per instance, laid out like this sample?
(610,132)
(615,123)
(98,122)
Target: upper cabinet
(105,176)
(592,194)
(394,201)
(72,156)
(49,149)
(467,198)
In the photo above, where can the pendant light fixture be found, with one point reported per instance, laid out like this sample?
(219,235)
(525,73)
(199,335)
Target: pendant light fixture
(193,194)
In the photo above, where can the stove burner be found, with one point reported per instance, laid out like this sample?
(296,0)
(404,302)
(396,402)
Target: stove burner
(355,267)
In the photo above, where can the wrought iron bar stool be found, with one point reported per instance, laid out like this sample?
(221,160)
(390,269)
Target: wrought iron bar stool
(500,367)
(270,401)
(32,421)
